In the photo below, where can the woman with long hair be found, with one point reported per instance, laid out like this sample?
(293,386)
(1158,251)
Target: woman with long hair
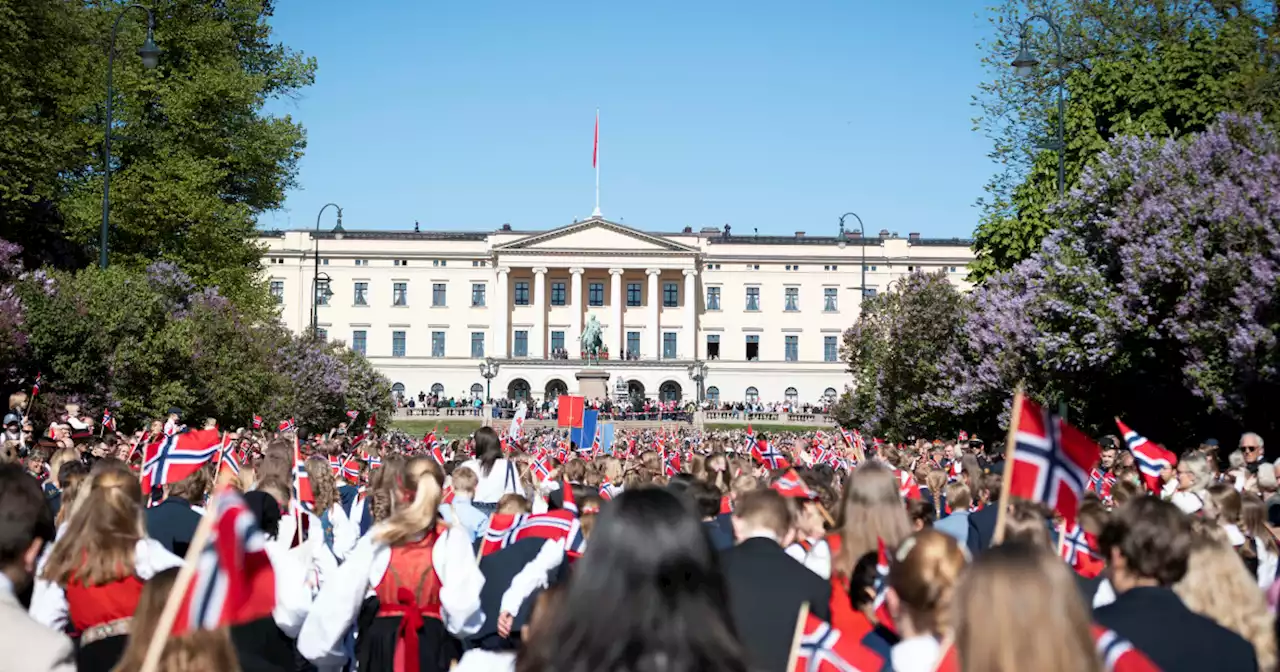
(338,533)
(922,576)
(871,511)
(1253,522)
(1018,608)
(94,574)
(647,596)
(410,586)
(1218,586)
(497,475)
(195,651)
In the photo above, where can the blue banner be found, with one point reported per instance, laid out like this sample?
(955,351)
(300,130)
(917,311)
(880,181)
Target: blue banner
(606,437)
(583,436)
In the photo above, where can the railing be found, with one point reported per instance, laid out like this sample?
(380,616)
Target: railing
(771,418)
(491,414)
(433,412)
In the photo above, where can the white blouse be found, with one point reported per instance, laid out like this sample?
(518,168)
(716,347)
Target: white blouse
(338,604)
(49,600)
(499,482)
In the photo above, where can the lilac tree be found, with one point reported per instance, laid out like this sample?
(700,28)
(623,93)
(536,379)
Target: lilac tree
(1156,299)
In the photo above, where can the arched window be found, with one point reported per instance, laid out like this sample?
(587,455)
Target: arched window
(397,390)
(555,387)
(830,395)
(635,390)
(753,395)
(437,389)
(713,395)
(670,391)
(477,390)
(518,389)
(792,395)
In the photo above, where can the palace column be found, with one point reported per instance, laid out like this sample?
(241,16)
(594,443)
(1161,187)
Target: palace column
(618,338)
(689,332)
(502,304)
(538,339)
(574,302)
(652,348)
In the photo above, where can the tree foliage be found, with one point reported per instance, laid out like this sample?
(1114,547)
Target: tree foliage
(893,350)
(1158,300)
(1135,67)
(194,157)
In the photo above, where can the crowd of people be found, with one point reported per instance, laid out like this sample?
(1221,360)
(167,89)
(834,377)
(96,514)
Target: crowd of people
(680,550)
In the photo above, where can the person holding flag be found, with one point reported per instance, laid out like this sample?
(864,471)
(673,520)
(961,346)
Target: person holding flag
(411,585)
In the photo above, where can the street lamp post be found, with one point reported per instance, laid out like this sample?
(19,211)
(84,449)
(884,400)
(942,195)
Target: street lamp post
(488,371)
(1025,64)
(320,293)
(315,278)
(698,372)
(150,55)
(862,239)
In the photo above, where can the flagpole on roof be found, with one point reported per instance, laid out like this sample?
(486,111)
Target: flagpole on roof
(595,163)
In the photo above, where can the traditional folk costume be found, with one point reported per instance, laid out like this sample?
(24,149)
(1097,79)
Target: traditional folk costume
(408,602)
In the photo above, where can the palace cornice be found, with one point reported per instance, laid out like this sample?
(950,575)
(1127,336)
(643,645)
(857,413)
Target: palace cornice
(544,252)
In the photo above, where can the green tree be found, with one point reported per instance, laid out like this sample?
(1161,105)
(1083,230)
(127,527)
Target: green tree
(894,351)
(195,159)
(1135,67)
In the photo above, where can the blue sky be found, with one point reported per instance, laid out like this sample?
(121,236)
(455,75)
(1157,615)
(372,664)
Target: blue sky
(771,115)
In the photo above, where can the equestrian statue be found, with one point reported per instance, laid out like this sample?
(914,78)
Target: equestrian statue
(592,341)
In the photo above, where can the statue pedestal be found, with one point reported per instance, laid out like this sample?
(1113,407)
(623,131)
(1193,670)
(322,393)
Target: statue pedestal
(593,383)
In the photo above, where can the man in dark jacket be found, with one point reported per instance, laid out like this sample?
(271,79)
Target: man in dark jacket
(1148,542)
(982,523)
(767,586)
(172,522)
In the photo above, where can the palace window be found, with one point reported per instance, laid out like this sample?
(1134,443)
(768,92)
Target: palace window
(520,346)
(830,351)
(557,340)
(477,296)
(477,345)
(669,345)
(595,294)
(438,294)
(397,344)
(359,340)
(522,293)
(557,293)
(792,296)
(400,294)
(753,298)
(753,347)
(713,346)
(713,298)
(437,344)
(829,299)
(791,348)
(633,294)
(362,294)
(670,294)
(277,290)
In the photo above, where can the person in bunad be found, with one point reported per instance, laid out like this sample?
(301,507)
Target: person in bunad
(336,529)
(410,587)
(497,475)
(93,576)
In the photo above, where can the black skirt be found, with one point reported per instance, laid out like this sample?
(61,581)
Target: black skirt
(376,645)
(101,655)
(262,647)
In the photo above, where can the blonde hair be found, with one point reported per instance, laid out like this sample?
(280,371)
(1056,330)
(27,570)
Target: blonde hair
(871,509)
(59,458)
(322,486)
(195,651)
(936,481)
(1218,586)
(923,575)
(1007,600)
(464,480)
(102,533)
(422,479)
(382,487)
(513,503)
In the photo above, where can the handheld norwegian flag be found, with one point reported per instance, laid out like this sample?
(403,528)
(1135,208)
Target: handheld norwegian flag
(506,528)
(540,468)
(964,436)
(301,479)
(228,463)
(1077,548)
(371,424)
(335,463)
(287,426)
(108,420)
(1051,459)
(352,415)
(35,386)
(825,649)
(751,439)
(234,582)
(1151,458)
(767,455)
(791,485)
(568,502)
(176,457)
(881,586)
(908,488)
(1101,483)
(257,422)
(437,452)
(608,490)
(351,469)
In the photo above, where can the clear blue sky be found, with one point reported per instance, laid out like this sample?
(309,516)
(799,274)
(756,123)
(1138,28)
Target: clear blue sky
(776,115)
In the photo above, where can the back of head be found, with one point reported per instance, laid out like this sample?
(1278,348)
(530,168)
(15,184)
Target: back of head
(511,503)
(464,481)
(323,487)
(24,517)
(1226,502)
(959,497)
(488,448)
(416,499)
(923,573)
(648,551)
(762,511)
(1152,538)
(1003,606)
(871,509)
(1027,522)
(98,546)
(704,497)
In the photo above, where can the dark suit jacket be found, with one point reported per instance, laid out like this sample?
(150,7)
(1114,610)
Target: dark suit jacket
(984,523)
(1175,638)
(172,523)
(720,533)
(766,588)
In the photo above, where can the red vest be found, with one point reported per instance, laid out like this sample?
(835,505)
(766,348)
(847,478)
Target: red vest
(88,606)
(410,589)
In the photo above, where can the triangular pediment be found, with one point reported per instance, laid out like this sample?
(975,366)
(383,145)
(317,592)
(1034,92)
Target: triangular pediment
(595,235)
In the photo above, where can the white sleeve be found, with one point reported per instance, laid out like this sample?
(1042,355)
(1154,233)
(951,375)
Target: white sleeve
(49,605)
(345,534)
(293,596)
(460,583)
(338,604)
(819,559)
(533,576)
(151,558)
(1267,563)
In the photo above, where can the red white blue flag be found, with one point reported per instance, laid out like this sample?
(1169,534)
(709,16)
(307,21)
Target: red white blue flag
(1051,459)
(825,649)
(176,457)
(1151,458)
(234,582)
(506,528)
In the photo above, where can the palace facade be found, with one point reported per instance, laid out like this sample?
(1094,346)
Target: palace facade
(753,317)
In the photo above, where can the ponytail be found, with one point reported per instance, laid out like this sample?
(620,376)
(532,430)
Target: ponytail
(422,478)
